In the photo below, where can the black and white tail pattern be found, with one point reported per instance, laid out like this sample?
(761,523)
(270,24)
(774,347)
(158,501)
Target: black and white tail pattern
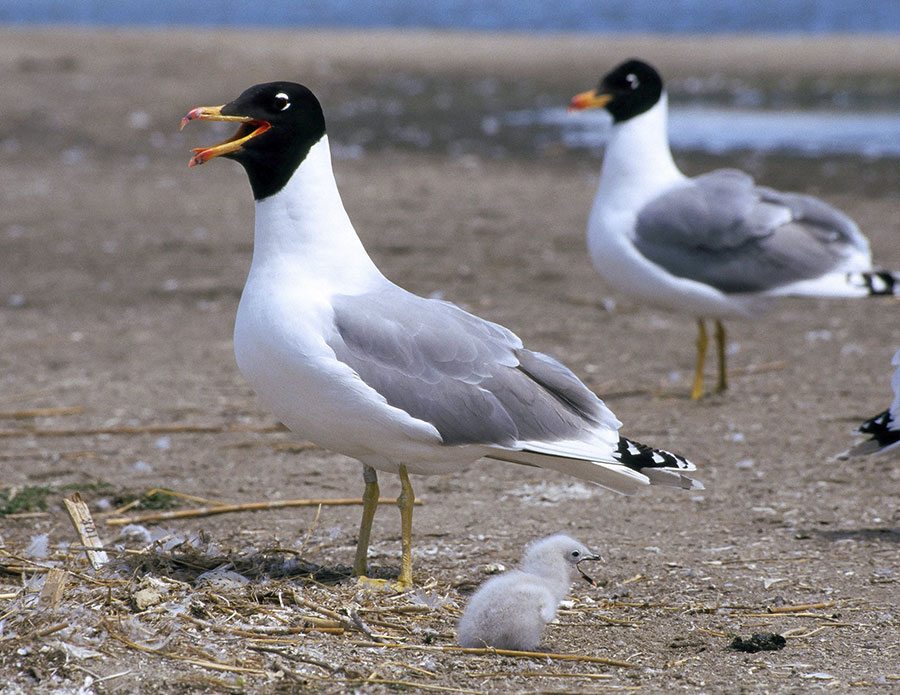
(878,283)
(885,431)
(660,466)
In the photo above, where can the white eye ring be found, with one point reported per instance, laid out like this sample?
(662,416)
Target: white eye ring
(286,99)
(633,81)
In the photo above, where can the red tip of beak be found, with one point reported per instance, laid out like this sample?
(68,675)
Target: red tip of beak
(201,156)
(191,115)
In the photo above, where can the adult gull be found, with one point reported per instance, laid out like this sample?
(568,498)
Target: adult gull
(716,246)
(352,362)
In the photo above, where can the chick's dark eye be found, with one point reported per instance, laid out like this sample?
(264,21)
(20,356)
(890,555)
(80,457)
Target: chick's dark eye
(575,553)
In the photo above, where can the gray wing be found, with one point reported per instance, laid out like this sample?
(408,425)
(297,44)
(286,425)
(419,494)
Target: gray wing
(470,378)
(723,230)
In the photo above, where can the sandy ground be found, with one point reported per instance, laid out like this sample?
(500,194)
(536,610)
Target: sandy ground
(120,272)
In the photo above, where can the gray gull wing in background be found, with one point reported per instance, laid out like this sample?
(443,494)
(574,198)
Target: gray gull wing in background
(724,231)
(470,378)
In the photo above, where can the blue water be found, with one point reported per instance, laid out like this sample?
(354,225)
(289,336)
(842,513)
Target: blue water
(657,16)
(722,130)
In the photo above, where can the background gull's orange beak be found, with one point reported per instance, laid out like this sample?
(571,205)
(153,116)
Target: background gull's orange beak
(589,100)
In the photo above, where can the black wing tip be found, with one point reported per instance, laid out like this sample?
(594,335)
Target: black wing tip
(878,283)
(883,432)
(660,466)
(633,453)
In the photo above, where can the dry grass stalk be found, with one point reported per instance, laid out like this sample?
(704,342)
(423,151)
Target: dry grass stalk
(86,529)
(50,630)
(504,652)
(543,674)
(160,491)
(318,625)
(26,565)
(140,429)
(399,684)
(801,608)
(233,508)
(205,663)
(40,412)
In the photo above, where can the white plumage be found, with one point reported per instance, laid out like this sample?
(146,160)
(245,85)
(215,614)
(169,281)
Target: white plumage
(349,360)
(716,246)
(510,611)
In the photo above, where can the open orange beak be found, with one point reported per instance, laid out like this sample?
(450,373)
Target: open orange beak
(589,100)
(249,128)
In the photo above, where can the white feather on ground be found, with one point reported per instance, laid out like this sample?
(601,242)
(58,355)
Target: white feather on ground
(510,611)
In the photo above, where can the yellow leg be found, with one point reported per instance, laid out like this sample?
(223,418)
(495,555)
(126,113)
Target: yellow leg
(405,501)
(370,503)
(702,342)
(720,348)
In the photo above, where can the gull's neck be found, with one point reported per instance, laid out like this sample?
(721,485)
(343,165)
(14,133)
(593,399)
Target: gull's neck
(305,225)
(638,162)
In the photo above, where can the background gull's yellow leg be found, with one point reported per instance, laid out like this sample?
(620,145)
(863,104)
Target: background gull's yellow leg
(702,342)
(720,348)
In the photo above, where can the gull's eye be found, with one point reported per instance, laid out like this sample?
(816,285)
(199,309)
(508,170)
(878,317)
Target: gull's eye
(282,102)
(633,81)
(575,553)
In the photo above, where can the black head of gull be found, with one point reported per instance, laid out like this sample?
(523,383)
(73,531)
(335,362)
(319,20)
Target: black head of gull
(629,90)
(278,124)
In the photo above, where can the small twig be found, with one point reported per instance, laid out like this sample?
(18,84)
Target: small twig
(504,652)
(140,429)
(233,508)
(40,412)
(318,625)
(160,491)
(615,621)
(50,630)
(312,528)
(360,625)
(36,567)
(347,622)
(295,657)
(404,684)
(792,633)
(800,608)
(542,674)
(205,663)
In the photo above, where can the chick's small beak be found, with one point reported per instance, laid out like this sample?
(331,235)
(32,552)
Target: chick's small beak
(589,100)
(249,128)
(584,574)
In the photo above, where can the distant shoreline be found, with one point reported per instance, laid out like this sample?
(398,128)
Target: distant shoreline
(543,56)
